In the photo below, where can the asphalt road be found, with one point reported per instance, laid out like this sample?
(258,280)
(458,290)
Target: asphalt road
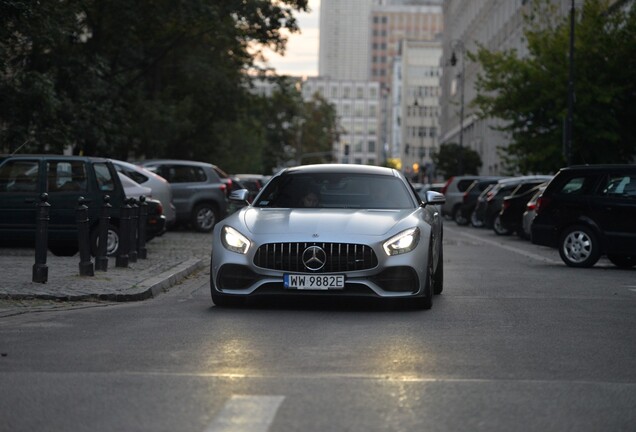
(517,342)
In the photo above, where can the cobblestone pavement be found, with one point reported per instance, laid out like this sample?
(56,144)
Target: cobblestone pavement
(170,258)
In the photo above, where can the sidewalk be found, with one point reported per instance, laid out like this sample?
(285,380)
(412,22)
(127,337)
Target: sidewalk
(170,259)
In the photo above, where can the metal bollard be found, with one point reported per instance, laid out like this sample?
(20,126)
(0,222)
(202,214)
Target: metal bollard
(101,259)
(40,269)
(134,217)
(83,239)
(124,236)
(142,252)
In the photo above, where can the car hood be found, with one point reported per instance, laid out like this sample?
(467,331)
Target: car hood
(264,221)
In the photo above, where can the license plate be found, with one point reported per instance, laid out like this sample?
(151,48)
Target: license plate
(313,282)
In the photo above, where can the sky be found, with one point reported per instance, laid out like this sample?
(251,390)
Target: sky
(301,56)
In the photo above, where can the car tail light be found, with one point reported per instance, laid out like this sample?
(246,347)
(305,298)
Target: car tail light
(159,209)
(223,187)
(505,204)
(490,196)
(465,197)
(531,206)
(542,203)
(445,187)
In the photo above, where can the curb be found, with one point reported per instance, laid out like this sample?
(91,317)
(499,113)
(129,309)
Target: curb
(145,289)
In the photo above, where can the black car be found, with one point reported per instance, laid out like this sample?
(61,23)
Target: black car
(487,208)
(510,217)
(589,211)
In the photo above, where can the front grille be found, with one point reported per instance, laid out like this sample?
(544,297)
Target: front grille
(340,257)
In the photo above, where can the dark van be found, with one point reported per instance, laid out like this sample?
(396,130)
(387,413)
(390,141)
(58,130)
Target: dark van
(23,178)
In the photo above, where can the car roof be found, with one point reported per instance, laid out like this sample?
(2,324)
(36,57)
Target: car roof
(521,179)
(341,169)
(599,167)
(55,157)
(177,162)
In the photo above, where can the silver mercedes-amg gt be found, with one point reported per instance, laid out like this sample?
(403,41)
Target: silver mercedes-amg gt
(335,230)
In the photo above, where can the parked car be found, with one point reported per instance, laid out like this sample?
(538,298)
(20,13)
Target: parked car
(156,224)
(252,182)
(587,212)
(198,193)
(370,236)
(509,219)
(469,199)
(487,210)
(530,213)
(422,188)
(453,190)
(24,178)
(161,189)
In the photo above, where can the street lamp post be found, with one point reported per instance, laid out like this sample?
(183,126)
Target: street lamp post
(459,45)
(568,121)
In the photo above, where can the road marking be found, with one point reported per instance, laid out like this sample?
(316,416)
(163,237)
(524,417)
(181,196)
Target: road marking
(509,248)
(244,413)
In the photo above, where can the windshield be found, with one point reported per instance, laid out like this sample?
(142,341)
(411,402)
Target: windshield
(336,190)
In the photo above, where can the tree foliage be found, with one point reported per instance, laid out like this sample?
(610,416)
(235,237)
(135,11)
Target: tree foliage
(149,78)
(447,160)
(530,93)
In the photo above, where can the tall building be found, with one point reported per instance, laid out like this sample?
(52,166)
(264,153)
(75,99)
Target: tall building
(393,23)
(359,42)
(344,39)
(414,109)
(358,106)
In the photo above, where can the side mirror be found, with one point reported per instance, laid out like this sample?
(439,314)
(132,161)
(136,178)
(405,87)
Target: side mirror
(435,198)
(240,195)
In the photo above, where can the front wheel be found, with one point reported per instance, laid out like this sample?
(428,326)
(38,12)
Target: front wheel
(204,217)
(578,247)
(475,221)
(112,240)
(623,261)
(459,218)
(499,228)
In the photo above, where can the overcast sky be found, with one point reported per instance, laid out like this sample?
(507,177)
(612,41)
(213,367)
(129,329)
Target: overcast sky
(301,57)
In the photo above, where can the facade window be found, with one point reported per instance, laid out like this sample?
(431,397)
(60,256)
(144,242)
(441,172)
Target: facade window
(334,92)
(373,93)
(371,146)
(347,92)
(372,111)
(359,93)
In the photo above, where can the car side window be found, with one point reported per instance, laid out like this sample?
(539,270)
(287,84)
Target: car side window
(105,181)
(619,185)
(65,176)
(185,174)
(574,186)
(19,176)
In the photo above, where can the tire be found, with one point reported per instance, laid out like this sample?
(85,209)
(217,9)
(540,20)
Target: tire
(474,220)
(623,261)
(204,217)
(426,301)
(579,247)
(459,218)
(438,278)
(112,244)
(498,227)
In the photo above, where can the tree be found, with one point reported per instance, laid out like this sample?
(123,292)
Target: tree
(530,93)
(447,160)
(132,79)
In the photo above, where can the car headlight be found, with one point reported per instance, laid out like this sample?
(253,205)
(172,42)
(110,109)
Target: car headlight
(234,240)
(404,242)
